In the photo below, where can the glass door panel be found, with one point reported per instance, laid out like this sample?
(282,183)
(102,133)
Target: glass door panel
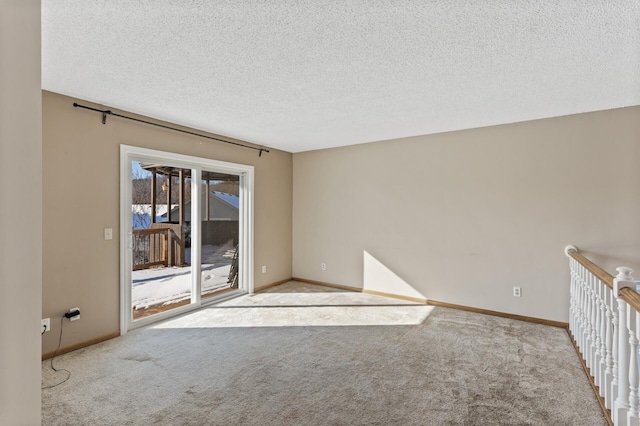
(161,277)
(219,232)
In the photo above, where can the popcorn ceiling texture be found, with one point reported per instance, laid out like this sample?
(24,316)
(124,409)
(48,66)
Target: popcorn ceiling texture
(305,74)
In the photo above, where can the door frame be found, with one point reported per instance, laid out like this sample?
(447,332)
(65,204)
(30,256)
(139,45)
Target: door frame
(130,153)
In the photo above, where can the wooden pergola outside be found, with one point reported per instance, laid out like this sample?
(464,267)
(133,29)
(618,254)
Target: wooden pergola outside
(166,240)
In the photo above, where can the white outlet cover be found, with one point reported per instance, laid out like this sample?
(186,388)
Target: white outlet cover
(77,317)
(264,269)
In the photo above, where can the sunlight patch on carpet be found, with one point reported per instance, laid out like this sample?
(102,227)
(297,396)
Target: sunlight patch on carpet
(301,316)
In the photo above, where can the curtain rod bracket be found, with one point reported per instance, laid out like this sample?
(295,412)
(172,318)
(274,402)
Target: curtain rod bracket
(104,116)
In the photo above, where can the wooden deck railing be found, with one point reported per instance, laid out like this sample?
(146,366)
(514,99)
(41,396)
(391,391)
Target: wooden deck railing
(151,248)
(604,321)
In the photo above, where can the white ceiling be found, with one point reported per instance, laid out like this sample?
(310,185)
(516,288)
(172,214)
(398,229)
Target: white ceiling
(300,75)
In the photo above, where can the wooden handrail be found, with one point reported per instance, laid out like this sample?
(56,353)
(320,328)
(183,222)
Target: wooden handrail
(150,231)
(630,296)
(600,273)
(627,294)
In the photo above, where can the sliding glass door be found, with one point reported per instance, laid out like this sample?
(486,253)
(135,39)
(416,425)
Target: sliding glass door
(186,227)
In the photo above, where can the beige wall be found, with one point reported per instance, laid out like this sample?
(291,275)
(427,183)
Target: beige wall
(81,197)
(21,215)
(462,217)
(459,217)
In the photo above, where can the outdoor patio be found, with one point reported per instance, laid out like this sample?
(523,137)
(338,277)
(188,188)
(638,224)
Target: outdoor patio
(158,289)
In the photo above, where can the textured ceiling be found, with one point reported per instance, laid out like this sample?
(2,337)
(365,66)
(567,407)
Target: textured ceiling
(307,74)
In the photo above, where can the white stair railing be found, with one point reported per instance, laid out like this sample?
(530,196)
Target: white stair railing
(604,322)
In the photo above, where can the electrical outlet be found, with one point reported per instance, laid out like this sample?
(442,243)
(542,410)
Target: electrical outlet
(264,269)
(517,292)
(323,266)
(77,317)
(46,324)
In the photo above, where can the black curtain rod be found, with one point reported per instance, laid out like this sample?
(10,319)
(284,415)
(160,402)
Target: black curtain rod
(106,112)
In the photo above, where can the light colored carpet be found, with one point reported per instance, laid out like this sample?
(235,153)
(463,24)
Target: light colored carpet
(346,362)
